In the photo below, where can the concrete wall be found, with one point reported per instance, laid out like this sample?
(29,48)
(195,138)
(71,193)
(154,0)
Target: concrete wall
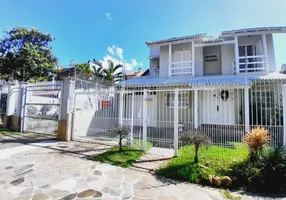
(164,61)
(154,52)
(227,58)
(271,53)
(199,61)
(213,67)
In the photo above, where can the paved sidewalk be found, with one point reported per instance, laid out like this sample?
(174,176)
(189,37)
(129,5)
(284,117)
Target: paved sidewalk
(18,139)
(59,170)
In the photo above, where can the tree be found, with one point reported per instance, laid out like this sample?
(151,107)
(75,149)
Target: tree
(83,71)
(32,110)
(25,55)
(112,73)
(45,109)
(196,138)
(122,132)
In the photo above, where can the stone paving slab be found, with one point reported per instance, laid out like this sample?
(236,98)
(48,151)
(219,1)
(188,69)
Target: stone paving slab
(61,171)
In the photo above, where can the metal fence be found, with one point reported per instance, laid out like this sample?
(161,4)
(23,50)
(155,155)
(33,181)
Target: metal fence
(160,115)
(41,105)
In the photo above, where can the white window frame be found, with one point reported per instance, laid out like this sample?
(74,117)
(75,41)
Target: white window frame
(185,101)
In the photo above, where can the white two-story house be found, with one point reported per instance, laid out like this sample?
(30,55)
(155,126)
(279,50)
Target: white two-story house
(230,80)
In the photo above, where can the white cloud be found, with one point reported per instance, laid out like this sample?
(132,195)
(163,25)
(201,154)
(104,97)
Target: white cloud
(108,16)
(116,56)
(141,64)
(110,50)
(114,50)
(134,63)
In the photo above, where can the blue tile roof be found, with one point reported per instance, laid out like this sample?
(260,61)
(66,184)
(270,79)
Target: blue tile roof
(203,81)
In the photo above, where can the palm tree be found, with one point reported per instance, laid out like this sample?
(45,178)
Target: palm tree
(113,73)
(84,71)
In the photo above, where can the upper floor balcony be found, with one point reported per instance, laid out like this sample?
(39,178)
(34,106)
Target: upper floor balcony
(223,56)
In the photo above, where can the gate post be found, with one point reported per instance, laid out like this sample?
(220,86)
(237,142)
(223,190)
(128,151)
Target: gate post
(246,109)
(66,107)
(144,122)
(176,121)
(120,108)
(132,120)
(196,107)
(23,107)
(284,111)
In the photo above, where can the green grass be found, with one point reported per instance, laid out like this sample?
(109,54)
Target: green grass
(228,195)
(213,160)
(123,158)
(5,131)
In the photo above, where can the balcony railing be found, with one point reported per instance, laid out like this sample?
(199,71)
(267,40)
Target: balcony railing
(181,69)
(252,64)
(155,72)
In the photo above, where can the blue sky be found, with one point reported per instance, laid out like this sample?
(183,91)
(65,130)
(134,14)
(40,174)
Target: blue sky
(115,29)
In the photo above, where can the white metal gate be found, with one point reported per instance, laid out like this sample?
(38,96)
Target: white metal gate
(41,104)
(159,116)
(95,112)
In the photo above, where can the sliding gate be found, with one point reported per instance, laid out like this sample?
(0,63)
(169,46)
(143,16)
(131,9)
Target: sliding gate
(41,107)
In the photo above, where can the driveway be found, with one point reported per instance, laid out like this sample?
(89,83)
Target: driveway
(61,170)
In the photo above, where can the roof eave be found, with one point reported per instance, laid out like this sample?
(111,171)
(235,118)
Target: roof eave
(176,39)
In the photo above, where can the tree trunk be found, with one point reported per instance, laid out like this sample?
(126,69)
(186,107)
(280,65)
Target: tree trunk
(120,144)
(196,158)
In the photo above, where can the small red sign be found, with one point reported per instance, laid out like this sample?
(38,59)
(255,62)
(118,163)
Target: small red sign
(105,103)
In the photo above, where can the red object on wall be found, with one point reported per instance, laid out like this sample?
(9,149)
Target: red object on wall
(105,103)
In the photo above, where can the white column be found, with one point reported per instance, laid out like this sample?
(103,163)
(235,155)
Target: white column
(193,58)
(265,50)
(196,107)
(132,120)
(284,111)
(12,97)
(246,109)
(176,121)
(120,113)
(170,59)
(144,122)
(236,53)
(23,108)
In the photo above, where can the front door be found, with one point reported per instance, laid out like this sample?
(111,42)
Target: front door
(217,107)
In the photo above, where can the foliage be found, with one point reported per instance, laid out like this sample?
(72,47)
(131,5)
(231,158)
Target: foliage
(45,109)
(266,174)
(4,131)
(25,55)
(84,71)
(112,73)
(124,158)
(256,139)
(228,195)
(214,160)
(196,138)
(121,131)
(32,110)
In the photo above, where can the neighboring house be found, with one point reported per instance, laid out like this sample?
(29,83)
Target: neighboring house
(140,72)
(226,80)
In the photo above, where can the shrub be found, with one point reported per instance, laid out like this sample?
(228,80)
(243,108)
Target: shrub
(32,110)
(122,132)
(256,139)
(266,174)
(196,138)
